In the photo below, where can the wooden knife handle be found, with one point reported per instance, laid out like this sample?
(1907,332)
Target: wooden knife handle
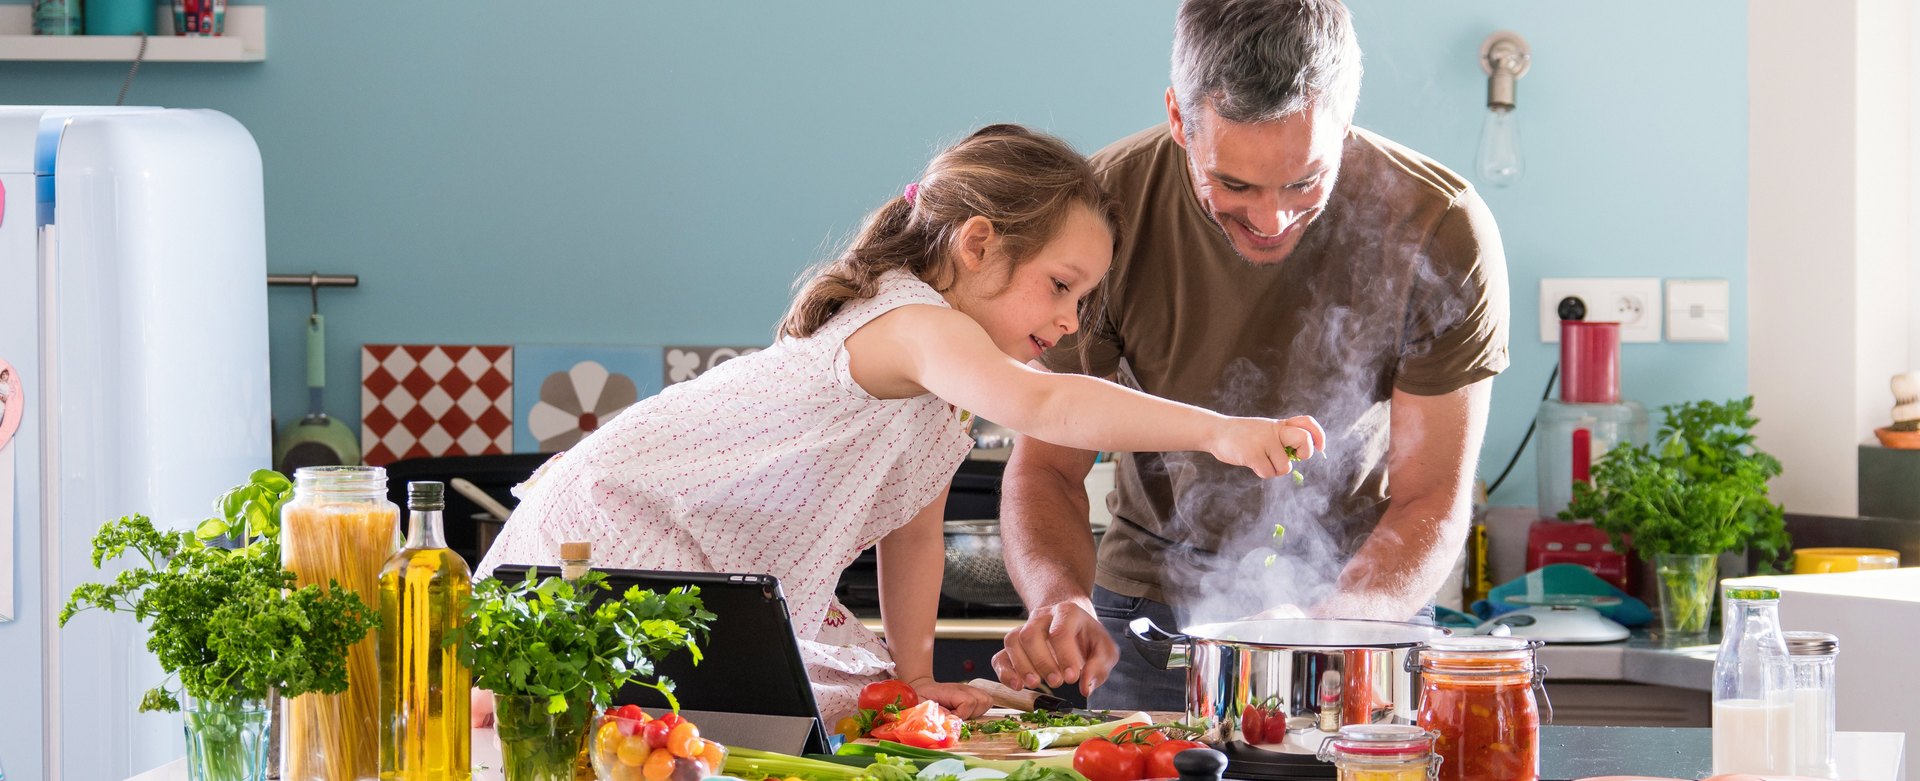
(1004,697)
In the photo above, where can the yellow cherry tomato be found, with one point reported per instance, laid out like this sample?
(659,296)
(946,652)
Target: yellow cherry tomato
(607,740)
(715,755)
(633,752)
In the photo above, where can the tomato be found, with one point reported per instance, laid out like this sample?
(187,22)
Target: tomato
(1160,759)
(656,733)
(1253,723)
(927,725)
(672,719)
(886,732)
(849,726)
(684,740)
(1100,759)
(1275,728)
(879,694)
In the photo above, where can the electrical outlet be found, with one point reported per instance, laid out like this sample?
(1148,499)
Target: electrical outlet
(1633,302)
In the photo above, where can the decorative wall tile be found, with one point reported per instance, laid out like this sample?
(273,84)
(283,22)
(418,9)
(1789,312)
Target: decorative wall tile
(568,391)
(420,400)
(681,363)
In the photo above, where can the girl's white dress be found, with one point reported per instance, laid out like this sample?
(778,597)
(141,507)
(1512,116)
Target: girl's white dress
(774,463)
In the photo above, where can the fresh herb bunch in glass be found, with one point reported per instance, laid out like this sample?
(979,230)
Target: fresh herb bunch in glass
(552,650)
(1698,491)
(225,620)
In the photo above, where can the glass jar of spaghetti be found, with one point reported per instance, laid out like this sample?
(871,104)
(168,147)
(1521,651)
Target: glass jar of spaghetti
(1381,752)
(339,529)
(1477,695)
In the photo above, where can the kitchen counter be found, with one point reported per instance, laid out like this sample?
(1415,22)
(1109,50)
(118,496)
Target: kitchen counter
(1638,659)
(1867,756)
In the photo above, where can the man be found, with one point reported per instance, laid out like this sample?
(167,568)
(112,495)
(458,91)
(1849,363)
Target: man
(1275,260)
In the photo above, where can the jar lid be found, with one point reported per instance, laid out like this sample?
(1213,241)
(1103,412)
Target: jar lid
(1379,741)
(1812,644)
(1475,644)
(576,551)
(1752,592)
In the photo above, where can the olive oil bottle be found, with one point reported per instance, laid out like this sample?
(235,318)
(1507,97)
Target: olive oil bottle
(425,733)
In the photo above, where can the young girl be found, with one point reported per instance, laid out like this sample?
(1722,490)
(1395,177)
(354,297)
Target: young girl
(847,432)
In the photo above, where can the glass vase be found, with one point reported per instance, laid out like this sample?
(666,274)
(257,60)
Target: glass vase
(227,741)
(1687,586)
(536,745)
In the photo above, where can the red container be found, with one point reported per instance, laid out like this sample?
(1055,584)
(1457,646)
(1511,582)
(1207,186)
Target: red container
(1589,362)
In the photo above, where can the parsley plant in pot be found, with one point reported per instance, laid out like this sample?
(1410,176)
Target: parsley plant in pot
(1698,491)
(226,622)
(553,650)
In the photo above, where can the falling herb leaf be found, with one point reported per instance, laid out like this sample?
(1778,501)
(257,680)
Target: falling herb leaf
(1271,557)
(1279,531)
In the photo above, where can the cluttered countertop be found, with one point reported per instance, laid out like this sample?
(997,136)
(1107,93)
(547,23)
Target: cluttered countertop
(1868,756)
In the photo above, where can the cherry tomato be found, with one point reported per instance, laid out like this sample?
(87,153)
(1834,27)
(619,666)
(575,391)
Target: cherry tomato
(684,740)
(879,694)
(656,732)
(1100,759)
(658,766)
(673,719)
(849,727)
(1160,759)
(1253,723)
(1275,730)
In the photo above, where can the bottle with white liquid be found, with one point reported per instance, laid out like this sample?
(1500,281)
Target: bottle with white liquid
(1813,656)
(1752,687)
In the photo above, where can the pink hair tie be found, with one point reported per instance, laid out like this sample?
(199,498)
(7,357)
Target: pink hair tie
(913,190)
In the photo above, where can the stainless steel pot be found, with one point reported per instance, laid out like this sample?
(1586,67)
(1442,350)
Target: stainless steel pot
(1284,685)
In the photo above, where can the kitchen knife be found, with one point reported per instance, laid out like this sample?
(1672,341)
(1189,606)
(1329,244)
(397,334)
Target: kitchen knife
(1029,700)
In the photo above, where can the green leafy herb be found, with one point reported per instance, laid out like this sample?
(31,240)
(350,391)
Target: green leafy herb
(226,621)
(1701,488)
(1029,719)
(556,639)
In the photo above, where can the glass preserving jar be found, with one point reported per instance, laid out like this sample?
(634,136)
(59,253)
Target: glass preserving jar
(1477,695)
(338,528)
(1382,752)
(1812,654)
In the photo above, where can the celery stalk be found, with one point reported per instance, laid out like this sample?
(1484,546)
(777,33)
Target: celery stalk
(1037,739)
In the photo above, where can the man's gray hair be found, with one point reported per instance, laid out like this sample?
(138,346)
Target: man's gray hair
(1259,60)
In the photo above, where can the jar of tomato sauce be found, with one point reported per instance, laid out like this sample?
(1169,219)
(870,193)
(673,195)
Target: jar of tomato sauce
(1477,695)
(1381,752)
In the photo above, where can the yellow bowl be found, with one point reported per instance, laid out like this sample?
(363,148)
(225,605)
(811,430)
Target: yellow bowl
(1815,560)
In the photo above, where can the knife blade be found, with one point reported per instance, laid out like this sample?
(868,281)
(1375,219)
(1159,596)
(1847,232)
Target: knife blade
(1030,700)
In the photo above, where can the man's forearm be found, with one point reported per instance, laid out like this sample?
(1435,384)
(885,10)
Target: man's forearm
(1043,523)
(1402,564)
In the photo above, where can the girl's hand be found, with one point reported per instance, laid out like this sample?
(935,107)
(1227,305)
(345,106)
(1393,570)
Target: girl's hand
(1261,444)
(965,701)
(480,707)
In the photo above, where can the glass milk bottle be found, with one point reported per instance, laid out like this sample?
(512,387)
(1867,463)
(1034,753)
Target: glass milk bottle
(1812,654)
(424,590)
(1752,687)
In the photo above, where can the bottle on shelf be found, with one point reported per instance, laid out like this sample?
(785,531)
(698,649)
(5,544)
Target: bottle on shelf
(575,559)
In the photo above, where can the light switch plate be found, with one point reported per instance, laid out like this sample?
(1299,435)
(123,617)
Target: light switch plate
(1697,310)
(1633,302)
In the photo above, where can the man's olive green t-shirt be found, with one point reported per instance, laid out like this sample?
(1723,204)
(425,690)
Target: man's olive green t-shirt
(1400,284)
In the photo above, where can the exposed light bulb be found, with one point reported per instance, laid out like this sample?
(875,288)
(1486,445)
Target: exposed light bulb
(1499,160)
(1505,58)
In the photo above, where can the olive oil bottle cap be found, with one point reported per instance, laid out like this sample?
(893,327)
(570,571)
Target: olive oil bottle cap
(426,495)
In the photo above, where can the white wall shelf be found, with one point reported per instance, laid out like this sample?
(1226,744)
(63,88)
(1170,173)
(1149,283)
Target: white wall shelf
(245,40)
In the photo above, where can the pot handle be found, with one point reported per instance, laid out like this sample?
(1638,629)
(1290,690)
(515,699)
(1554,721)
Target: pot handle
(1163,649)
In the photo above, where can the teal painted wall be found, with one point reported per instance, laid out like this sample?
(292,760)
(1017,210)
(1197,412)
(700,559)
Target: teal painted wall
(646,173)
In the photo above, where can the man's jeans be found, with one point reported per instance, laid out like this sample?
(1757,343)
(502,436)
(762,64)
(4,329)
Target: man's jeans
(1137,683)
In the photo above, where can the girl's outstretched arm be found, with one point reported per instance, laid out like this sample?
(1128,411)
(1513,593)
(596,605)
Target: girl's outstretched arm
(912,560)
(928,349)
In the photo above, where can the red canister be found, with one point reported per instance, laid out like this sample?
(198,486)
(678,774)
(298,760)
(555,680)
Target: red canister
(1589,362)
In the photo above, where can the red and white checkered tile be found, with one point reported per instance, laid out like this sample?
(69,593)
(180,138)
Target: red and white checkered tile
(419,400)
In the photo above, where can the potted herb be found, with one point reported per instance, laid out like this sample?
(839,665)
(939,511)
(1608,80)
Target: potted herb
(225,621)
(1698,491)
(553,650)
